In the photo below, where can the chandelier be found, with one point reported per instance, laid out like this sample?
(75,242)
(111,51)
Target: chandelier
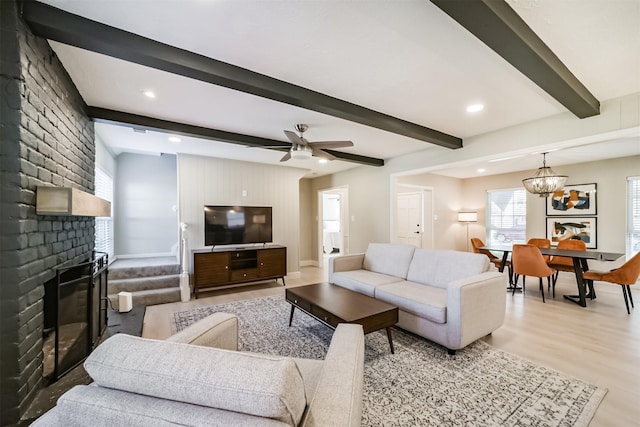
(545,181)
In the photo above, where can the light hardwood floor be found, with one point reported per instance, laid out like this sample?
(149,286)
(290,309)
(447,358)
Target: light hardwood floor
(599,344)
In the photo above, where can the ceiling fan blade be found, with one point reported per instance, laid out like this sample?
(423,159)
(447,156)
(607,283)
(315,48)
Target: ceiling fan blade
(284,145)
(331,144)
(323,154)
(294,138)
(286,157)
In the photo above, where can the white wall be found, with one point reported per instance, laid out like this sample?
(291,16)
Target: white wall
(307,222)
(447,201)
(610,177)
(105,160)
(369,187)
(211,181)
(145,217)
(368,206)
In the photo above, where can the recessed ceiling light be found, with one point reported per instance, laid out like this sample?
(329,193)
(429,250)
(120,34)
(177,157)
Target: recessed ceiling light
(481,170)
(322,161)
(174,139)
(474,108)
(149,94)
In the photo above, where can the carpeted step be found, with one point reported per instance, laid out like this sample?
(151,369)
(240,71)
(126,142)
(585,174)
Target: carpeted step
(142,283)
(117,273)
(150,296)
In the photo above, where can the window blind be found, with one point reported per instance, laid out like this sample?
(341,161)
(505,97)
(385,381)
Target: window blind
(506,216)
(104,225)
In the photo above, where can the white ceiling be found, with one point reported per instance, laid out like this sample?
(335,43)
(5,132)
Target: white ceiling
(406,58)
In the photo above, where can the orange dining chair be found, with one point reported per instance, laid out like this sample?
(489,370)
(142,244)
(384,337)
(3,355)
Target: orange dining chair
(528,261)
(477,244)
(540,243)
(563,263)
(624,276)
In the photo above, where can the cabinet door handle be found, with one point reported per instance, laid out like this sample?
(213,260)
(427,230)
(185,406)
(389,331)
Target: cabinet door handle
(226,267)
(295,301)
(326,319)
(245,274)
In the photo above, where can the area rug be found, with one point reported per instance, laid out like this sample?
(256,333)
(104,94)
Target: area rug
(421,385)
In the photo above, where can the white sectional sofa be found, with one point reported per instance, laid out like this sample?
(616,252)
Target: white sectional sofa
(188,381)
(449,297)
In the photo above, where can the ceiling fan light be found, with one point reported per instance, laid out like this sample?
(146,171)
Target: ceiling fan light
(301,152)
(545,181)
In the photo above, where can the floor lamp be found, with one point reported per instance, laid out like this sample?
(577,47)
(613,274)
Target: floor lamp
(467,217)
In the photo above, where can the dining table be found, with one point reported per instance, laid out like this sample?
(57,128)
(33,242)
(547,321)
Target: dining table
(580,265)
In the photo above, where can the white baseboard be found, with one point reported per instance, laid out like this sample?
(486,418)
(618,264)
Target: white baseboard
(149,255)
(293,275)
(309,263)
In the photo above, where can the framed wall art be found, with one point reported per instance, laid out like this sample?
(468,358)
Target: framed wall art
(573,200)
(581,228)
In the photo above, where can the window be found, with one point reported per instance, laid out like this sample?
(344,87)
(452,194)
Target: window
(506,216)
(104,225)
(633,216)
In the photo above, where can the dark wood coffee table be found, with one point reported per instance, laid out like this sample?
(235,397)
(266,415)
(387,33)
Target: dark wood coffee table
(332,304)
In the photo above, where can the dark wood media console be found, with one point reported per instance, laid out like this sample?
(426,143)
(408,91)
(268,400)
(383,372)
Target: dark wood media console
(224,267)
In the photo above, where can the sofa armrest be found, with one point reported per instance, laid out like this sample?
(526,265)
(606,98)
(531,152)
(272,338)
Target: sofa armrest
(219,330)
(345,263)
(338,397)
(475,307)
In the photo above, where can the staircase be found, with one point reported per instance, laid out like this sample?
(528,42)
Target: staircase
(151,281)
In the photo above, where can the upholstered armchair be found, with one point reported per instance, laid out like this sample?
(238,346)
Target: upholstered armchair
(196,378)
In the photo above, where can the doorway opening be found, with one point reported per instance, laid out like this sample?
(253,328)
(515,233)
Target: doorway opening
(333,218)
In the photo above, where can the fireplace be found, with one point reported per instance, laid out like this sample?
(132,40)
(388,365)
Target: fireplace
(75,315)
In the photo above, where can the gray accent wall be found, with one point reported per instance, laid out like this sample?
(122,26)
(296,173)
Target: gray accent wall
(145,205)
(46,139)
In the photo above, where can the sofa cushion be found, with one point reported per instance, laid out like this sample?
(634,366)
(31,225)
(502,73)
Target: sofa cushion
(105,407)
(249,383)
(387,258)
(423,301)
(310,369)
(439,268)
(362,281)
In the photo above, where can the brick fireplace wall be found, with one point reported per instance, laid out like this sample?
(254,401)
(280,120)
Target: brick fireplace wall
(45,139)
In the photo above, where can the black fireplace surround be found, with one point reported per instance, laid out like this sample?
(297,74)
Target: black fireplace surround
(75,315)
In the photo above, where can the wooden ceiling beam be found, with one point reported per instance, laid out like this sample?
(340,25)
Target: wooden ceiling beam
(55,24)
(138,122)
(498,26)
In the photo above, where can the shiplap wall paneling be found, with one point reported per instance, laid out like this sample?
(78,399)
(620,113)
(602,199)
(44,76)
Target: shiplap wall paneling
(212,181)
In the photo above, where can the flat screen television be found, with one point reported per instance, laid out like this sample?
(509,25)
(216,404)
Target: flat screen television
(235,225)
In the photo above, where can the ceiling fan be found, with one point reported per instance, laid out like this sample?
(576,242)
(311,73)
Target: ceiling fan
(303,149)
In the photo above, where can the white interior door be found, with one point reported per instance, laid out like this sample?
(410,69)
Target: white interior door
(409,215)
(427,221)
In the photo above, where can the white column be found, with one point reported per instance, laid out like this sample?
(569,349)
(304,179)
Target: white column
(185,289)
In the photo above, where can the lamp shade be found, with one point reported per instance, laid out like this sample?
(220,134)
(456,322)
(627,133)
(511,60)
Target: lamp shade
(467,216)
(301,152)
